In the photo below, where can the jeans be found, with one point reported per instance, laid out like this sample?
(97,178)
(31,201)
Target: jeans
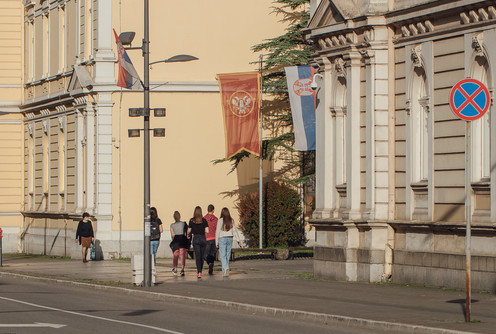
(210,251)
(199,245)
(225,245)
(153,249)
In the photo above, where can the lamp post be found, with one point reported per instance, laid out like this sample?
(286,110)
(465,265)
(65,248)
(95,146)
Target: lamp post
(145,47)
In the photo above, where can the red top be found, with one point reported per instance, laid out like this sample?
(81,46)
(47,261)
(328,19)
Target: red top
(212,226)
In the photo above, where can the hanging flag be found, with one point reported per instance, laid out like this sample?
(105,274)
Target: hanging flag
(128,77)
(302,100)
(240,95)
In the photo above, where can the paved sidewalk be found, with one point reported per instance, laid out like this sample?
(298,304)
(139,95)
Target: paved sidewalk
(284,285)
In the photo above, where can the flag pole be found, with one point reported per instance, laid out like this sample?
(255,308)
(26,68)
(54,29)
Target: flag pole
(260,183)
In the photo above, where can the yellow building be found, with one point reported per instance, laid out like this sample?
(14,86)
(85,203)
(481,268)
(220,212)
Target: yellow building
(65,148)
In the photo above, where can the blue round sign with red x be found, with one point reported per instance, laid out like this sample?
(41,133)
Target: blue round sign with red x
(470,99)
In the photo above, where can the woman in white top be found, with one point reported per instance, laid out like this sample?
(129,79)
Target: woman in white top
(226,230)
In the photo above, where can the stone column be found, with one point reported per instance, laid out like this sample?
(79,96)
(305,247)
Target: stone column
(353,136)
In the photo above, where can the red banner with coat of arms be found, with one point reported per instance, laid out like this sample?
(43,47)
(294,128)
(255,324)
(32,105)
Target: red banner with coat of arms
(240,95)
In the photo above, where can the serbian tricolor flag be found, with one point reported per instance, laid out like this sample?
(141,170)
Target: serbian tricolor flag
(240,95)
(302,100)
(128,77)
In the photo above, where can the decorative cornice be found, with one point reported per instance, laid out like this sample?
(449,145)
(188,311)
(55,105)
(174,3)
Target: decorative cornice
(417,28)
(478,15)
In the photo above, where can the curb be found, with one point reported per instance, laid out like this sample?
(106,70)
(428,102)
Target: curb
(327,319)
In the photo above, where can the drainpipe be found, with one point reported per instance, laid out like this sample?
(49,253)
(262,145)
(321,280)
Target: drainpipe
(388,268)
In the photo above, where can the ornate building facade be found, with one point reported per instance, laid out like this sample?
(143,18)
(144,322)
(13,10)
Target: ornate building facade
(390,165)
(64,123)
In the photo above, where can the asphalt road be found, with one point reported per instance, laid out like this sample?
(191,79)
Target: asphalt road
(34,307)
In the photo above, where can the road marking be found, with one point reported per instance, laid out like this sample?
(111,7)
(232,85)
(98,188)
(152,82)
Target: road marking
(90,316)
(36,324)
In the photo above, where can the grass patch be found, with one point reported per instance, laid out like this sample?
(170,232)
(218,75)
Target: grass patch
(93,281)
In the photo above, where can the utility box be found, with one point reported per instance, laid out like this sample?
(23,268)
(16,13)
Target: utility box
(137,267)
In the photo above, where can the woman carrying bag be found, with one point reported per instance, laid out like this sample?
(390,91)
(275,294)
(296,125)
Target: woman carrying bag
(224,234)
(179,243)
(85,234)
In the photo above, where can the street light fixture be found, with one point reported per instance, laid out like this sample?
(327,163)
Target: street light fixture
(126,39)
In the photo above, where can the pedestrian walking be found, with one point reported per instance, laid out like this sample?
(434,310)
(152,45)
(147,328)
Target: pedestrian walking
(156,230)
(197,228)
(85,234)
(179,243)
(224,234)
(211,250)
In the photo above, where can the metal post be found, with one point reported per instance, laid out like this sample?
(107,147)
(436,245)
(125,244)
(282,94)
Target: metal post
(260,183)
(468,217)
(147,264)
(302,194)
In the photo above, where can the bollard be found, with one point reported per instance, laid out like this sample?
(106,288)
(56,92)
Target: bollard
(1,237)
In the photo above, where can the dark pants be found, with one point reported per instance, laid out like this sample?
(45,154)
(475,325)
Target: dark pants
(211,251)
(199,245)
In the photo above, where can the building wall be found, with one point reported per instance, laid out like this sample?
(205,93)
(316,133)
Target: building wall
(411,222)
(74,152)
(11,136)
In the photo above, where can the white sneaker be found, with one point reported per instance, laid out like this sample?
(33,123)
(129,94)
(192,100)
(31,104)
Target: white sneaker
(226,274)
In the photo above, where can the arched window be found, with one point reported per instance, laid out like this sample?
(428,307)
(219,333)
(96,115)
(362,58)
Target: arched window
(481,134)
(419,113)
(339,107)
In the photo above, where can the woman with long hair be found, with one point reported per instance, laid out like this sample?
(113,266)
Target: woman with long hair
(197,228)
(179,242)
(224,234)
(156,230)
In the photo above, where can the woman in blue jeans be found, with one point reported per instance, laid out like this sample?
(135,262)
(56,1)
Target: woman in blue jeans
(156,229)
(224,234)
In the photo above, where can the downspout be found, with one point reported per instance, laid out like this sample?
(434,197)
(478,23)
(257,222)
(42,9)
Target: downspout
(388,268)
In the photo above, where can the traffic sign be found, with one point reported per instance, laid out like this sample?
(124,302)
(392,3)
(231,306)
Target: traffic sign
(470,99)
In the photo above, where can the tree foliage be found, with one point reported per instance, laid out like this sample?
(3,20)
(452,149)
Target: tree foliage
(281,225)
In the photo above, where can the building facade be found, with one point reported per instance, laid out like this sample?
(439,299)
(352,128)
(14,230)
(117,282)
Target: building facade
(64,123)
(391,157)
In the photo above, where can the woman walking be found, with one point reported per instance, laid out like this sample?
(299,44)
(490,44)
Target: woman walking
(197,227)
(179,243)
(156,230)
(85,234)
(224,234)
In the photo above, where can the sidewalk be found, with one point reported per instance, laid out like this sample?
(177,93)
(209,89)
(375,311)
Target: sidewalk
(287,285)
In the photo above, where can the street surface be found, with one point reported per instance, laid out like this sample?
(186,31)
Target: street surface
(34,307)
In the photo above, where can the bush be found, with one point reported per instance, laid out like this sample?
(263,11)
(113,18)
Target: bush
(281,216)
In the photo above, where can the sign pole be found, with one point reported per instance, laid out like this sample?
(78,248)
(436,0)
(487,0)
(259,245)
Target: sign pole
(260,182)
(468,217)
(469,100)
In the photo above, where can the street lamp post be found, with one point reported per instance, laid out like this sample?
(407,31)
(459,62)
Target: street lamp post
(127,38)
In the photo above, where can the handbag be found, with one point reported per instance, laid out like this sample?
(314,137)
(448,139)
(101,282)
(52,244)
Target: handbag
(92,252)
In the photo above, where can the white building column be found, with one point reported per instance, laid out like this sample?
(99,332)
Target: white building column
(104,56)
(324,189)
(90,158)
(353,136)
(490,41)
(103,165)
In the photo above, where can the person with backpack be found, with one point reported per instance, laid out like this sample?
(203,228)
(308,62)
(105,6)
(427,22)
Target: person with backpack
(224,234)
(197,228)
(156,229)
(179,243)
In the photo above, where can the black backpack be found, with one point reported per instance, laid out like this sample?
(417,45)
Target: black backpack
(154,231)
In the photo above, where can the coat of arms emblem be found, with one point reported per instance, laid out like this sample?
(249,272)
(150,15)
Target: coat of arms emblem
(242,103)
(301,87)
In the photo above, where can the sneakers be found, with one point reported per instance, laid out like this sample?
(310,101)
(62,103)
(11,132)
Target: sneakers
(174,271)
(199,275)
(211,268)
(226,274)
(182,273)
